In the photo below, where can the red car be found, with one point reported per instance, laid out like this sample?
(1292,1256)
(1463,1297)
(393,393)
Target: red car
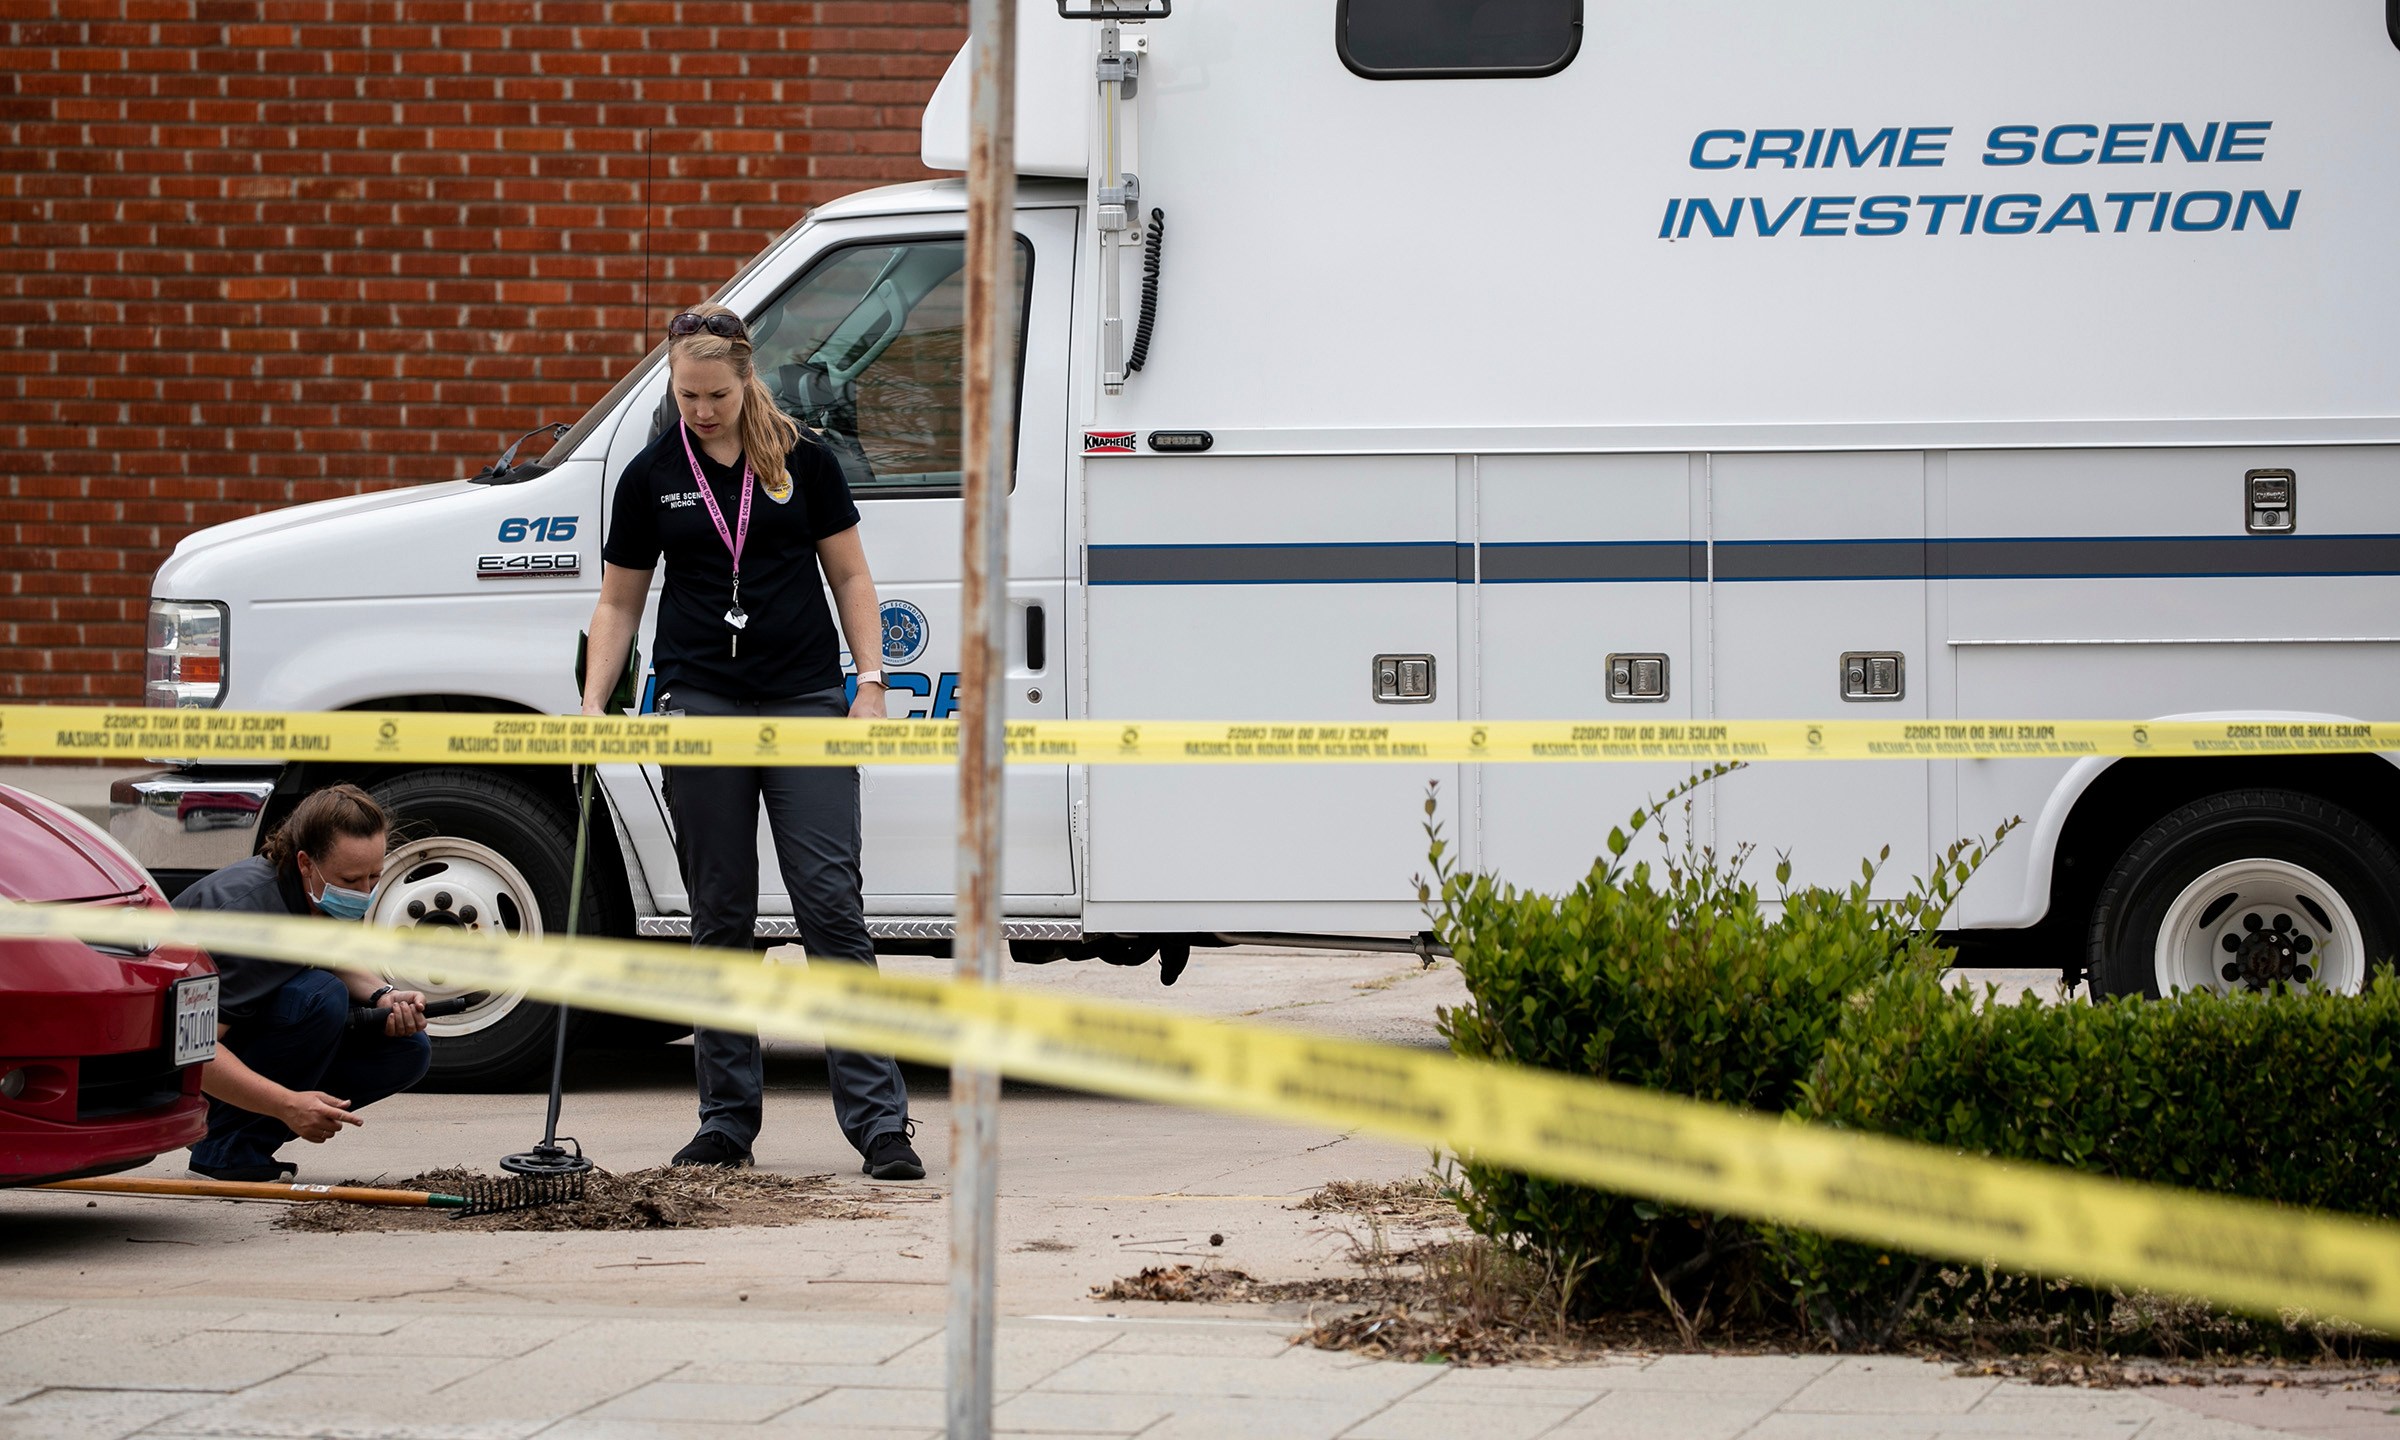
(100,1046)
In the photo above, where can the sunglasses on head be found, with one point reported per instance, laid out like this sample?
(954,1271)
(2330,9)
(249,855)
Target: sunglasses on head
(728,326)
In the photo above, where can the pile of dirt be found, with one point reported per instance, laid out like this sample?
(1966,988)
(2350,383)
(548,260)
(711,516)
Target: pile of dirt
(1202,1284)
(681,1197)
(1436,1323)
(1396,1332)
(1463,1301)
(1417,1201)
(1214,1284)
(2106,1372)
(1391,1279)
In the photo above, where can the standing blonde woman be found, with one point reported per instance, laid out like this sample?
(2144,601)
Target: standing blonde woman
(755,522)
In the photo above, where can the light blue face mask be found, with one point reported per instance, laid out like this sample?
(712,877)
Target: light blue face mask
(340,904)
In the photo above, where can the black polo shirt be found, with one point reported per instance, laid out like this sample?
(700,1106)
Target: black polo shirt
(790,646)
(252,887)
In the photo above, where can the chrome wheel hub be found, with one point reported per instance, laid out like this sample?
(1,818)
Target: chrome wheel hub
(448,883)
(2253,924)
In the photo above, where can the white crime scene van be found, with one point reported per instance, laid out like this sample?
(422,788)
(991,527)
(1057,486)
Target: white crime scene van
(1534,359)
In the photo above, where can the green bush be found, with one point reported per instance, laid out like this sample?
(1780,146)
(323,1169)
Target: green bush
(2292,1097)
(1672,975)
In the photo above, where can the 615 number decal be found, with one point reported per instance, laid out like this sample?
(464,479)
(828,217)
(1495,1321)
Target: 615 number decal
(538,527)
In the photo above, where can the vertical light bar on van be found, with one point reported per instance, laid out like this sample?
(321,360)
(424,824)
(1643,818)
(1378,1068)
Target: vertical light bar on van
(185,661)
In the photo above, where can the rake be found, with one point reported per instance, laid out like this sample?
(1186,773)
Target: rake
(478,1197)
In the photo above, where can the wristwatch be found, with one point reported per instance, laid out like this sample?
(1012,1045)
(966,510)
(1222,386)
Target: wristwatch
(872,677)
(378,995)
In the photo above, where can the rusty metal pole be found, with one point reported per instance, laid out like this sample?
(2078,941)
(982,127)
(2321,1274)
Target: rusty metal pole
(990,446)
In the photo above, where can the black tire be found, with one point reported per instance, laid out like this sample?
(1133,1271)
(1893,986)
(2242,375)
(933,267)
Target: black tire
(535,832)
(2343,850)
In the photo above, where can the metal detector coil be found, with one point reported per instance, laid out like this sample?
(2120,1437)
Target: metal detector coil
(549,1161)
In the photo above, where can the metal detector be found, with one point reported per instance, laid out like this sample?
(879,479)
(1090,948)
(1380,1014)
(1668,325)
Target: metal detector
(550,1158)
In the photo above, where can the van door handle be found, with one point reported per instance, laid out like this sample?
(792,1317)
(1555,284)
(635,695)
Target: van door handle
(1037,640)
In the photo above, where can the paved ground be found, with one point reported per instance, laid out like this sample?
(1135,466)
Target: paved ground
(473,1372)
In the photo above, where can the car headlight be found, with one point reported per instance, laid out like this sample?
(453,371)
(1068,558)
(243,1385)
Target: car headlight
(186,669)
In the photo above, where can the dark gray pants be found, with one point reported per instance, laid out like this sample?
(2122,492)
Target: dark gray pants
(812,813)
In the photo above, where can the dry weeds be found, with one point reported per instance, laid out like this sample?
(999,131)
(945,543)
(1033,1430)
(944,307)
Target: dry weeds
(1217,1284)
(683,1197)
(2103,1372)
(1455,1298)
(1416,1201)
(1465,1301)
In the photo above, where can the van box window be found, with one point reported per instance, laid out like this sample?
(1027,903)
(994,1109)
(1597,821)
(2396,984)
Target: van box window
(867,351)
(1457,39)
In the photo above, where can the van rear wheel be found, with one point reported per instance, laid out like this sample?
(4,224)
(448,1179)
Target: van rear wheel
(494,855)
(2243,891)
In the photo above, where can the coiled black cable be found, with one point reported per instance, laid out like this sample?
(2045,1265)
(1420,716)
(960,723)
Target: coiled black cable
(1153,240)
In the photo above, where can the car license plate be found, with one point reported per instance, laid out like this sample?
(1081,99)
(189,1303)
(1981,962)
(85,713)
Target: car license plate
(192,1012)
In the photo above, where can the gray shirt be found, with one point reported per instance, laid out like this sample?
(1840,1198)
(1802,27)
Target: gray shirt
(255,887)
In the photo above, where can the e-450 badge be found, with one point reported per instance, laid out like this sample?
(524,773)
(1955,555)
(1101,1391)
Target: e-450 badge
(520,567)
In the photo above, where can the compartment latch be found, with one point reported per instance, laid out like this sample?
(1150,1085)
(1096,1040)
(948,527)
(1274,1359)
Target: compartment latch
(1872,675)
(1403,679)
(1637,679)
(2274,502)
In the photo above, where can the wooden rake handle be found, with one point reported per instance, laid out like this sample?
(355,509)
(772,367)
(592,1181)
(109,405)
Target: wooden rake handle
(256,1190)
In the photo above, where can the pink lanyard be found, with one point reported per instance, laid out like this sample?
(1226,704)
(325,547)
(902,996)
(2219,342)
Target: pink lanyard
(733,538)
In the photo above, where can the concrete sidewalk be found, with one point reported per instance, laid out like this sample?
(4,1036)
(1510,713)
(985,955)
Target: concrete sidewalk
(423,1370)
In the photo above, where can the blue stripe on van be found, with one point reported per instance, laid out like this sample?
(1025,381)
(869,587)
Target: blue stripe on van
(1741,561)
(2168,556)
(1415,562)
(1612,560)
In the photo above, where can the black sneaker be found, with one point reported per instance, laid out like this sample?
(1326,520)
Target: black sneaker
(273,1172)
(890,1157)
(710,1147)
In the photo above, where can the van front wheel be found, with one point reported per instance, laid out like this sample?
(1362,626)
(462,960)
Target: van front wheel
(2243,891)
(490,854)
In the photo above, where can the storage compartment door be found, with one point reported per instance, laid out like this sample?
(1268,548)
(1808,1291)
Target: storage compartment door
(1583,557)
(1264,589)
(1816,557)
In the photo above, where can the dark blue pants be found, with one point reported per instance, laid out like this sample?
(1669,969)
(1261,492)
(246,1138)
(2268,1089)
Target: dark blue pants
(813,818)
(300,1040)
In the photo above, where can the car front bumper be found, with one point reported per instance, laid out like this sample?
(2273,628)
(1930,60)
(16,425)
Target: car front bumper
(33,1151)
(85,1032)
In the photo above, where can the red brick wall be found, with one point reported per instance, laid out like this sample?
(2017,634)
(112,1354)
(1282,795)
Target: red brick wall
(255,252)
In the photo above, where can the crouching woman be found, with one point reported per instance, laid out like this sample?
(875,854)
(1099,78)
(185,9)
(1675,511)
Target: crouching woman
(289,1063)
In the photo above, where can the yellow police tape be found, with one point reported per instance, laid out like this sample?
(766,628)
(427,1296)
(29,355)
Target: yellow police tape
(1909,1196)
(357,735)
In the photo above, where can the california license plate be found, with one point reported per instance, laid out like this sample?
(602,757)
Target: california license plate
(192,1020)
